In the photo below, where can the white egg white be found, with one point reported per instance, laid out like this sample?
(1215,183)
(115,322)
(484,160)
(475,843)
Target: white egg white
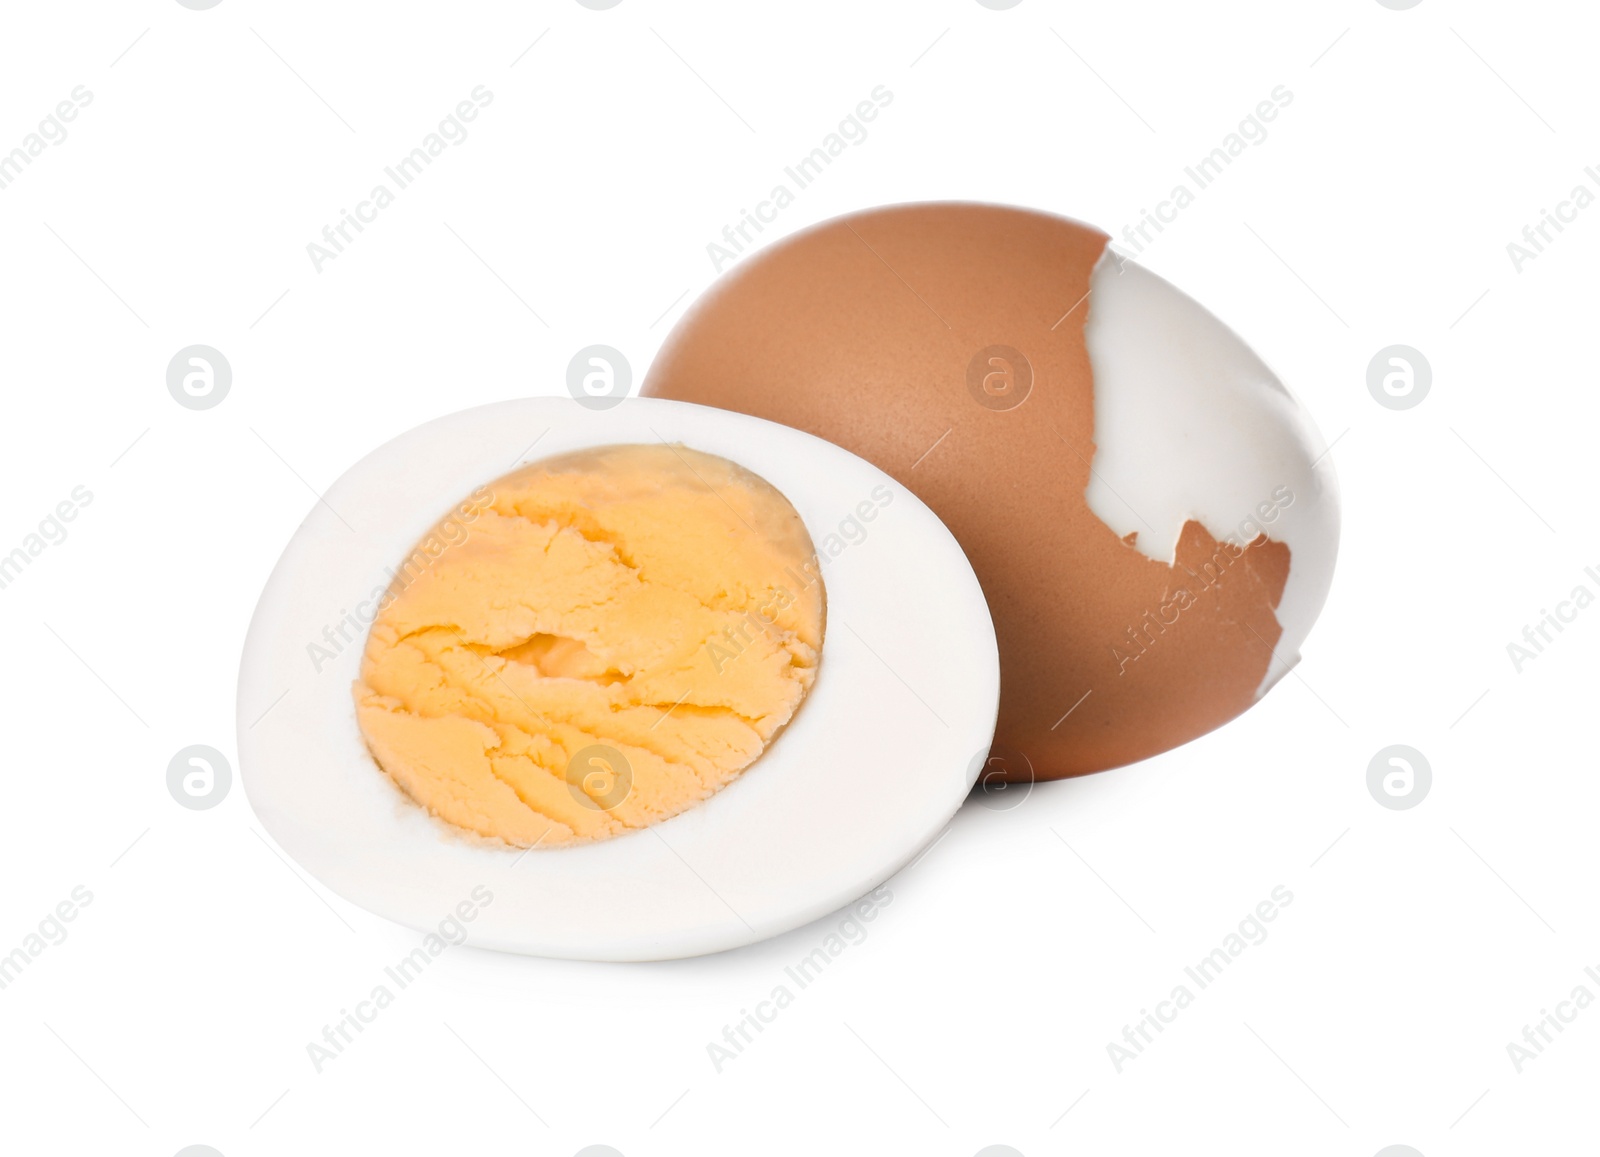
(873,765)
(1189,423)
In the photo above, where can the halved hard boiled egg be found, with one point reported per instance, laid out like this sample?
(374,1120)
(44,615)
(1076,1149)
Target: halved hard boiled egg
(657,680)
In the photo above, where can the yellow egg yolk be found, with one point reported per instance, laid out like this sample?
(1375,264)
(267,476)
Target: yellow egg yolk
(605,639)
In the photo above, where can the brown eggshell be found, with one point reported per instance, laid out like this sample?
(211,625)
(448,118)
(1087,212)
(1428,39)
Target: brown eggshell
(875,331)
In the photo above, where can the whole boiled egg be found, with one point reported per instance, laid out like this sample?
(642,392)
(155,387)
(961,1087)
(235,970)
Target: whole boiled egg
(1151,513)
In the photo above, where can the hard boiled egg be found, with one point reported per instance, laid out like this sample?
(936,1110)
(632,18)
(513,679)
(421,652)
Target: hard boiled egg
(1153,515)
(476,606)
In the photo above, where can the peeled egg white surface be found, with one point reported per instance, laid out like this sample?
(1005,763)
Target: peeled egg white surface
(877,759)
(1189,423)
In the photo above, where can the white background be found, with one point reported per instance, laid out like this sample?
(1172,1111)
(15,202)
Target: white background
(978,1011)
